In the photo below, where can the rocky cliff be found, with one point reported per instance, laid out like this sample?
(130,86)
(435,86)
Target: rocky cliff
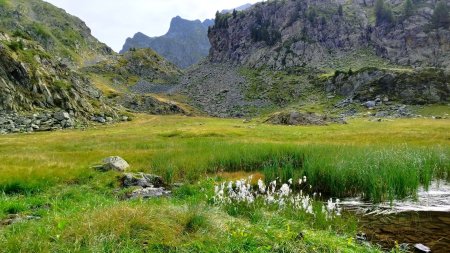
(184,44)
(330,54)
(41,49)
(279,34)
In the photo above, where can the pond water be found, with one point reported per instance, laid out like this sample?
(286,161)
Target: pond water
(425,220)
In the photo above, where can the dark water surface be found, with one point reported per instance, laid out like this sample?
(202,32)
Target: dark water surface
(425,220)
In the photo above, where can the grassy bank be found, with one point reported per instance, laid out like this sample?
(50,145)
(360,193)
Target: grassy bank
(50,175)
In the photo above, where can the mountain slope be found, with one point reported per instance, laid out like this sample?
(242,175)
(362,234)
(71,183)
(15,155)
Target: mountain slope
(322,56)
(66,36)
(184,44)
(282,34)
(41,48)
(293,33)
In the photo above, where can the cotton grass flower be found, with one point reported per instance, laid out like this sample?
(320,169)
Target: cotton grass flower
(243,193)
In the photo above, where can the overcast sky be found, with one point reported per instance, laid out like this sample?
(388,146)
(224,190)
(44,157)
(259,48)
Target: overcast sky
(112,21)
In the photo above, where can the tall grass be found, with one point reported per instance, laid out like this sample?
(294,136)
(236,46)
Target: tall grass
(373,172)
(182,149)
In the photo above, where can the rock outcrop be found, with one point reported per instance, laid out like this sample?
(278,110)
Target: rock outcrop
(280,34)
(422,86)
(185,44)
(31,79)
(279,53)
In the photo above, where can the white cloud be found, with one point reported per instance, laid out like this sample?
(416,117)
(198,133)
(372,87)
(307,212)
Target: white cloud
(114,20)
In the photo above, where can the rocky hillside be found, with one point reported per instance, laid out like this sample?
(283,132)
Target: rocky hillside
(184,44)
(332,56)
(67,37)
(136,66)
(281,34)
(54,73)
(131,78)
(41,49)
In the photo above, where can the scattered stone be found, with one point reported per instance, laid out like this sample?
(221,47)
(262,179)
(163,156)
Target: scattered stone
(124,118)
(421,248)
(114,163)
(299,118)
(16,218)
(44,121)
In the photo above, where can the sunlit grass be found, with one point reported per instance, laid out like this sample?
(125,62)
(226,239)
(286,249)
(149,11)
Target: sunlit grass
(382,160)
(49,175)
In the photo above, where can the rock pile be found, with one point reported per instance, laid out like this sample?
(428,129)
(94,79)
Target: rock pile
(300,118)
(146,185)
(45,121)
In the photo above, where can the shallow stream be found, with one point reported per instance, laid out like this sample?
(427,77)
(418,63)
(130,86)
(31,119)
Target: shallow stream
(425,220)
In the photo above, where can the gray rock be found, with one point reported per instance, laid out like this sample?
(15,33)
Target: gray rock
(421,248)
(100,120)
(142,180)
(382,114)
(149,193)
(109,119)
(62,116)
(115,163)
(370,104)
(124,118)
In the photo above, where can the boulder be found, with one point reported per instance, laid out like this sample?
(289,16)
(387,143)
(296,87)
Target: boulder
(142,180)
(100,120)
(62,116)
(370,104)
(115,163)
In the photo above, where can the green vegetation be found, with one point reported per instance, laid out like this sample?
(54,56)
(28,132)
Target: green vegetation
(16,45)
(383,13)
(408,8)
(263,31)
(81,210)
(279,87)
(441,15)
(62,85)
(221,20)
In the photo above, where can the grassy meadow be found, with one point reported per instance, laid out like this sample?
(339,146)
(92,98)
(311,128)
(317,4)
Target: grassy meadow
(50,175)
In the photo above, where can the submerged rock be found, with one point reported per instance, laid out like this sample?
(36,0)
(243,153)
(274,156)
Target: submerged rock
(421,248)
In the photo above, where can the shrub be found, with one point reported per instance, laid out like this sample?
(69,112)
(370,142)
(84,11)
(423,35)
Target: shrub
(383,13)
(340,10)
(16,45)
(408,9)
(221,21)
(441,17)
